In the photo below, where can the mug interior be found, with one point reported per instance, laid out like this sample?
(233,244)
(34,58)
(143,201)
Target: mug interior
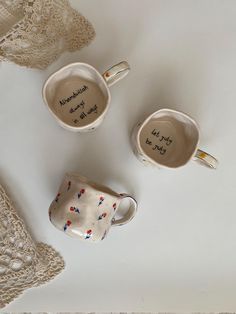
(169,138)
(77,95)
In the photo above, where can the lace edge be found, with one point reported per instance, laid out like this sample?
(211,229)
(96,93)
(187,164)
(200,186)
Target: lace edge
(72,43)
(55,265)
(49,263)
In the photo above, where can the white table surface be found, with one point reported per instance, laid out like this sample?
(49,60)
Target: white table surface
(179,253)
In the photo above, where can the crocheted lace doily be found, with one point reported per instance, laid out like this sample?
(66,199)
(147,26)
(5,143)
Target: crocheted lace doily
(34,33)
(23,264)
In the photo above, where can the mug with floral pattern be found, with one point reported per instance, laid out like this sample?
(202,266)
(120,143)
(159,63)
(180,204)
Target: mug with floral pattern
(86,210)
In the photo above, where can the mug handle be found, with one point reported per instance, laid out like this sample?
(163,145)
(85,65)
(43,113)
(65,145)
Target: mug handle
(206,159)
(130,213)
(116,73)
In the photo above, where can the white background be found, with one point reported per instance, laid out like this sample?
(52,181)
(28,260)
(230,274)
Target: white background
(179,253)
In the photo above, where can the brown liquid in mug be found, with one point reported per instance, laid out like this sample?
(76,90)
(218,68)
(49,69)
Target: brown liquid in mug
(78,102)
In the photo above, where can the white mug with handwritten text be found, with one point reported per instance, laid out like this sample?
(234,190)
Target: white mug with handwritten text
(86,210)
(169,138)
(78,96)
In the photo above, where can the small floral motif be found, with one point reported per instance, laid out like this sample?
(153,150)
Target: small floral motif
(57,197)
(69,186)
(67,224)
(88,234)
(102,216)
(74,209)
(101,200)
(114,206)
(202,155)
(81,192)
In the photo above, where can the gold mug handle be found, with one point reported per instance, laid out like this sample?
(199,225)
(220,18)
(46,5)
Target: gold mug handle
(206,159)
(116,73)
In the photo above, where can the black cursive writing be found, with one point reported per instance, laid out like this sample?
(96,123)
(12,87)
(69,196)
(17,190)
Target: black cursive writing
(74,95)
(83,115)
(148,142)
(155,133)
(166,139)
(161,149)
(80,105)
(93,109)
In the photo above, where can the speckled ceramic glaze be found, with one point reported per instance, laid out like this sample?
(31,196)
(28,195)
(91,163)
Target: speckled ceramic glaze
(86,210)
(169,138)
(78,96)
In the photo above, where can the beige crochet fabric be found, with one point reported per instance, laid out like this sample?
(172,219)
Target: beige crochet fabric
(23,264)
(34,33)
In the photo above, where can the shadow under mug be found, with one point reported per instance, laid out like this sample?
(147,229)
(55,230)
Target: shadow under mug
(86,210)
(78,96)
(169,138)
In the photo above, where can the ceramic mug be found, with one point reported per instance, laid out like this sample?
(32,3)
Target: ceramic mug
(86,210)
(169,138)
(78,96)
